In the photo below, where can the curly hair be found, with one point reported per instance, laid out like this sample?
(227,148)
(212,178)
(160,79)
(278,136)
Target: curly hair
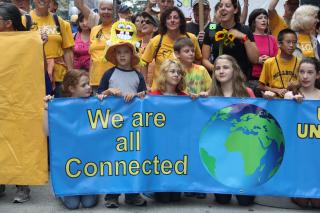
(71,79)
(238,79)
(164,68)
(163,21)
(302,18)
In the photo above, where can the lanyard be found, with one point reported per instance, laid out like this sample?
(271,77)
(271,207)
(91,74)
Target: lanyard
(294,68)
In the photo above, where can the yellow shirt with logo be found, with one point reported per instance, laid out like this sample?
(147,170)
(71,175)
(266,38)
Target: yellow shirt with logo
(57,41)
(197,79)
(305,45)
(278,76)
(98,38)
(165,51)
(276,23)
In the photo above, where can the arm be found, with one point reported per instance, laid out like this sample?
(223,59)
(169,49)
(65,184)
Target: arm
(68,57)
(206,51)
(244,12)
(85,10)
(279,92)
(272,6)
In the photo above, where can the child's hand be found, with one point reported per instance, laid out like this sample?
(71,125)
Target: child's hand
(268,95)
(280,92)
(112,91)
(46,99)
(298,98)
(129,97)
(141,94)
(201,94)
(101,96)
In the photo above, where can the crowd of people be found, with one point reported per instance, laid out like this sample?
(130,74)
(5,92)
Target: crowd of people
(273,56)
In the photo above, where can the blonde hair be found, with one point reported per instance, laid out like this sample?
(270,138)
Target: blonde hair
(238,80)
(302,17)
(164,68)
(104,2)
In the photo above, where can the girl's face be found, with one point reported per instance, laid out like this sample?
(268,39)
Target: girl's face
(307,75)
(261,22)
(226,10)
(84,24)
(82,89)
(173,75)
(173,21)
(223,71)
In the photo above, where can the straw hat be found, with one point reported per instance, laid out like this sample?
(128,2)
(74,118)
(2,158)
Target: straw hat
(111,54)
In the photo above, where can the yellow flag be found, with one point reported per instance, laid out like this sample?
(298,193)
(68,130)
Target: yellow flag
(23,146)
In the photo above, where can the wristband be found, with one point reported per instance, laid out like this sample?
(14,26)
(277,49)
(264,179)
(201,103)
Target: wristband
(245,38)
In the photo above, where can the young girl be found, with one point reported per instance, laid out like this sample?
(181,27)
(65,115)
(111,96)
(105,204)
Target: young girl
(75,84)
(169,82)
(229,81)
(308,75)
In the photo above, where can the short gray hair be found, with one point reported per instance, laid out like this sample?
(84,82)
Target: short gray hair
(302,16)
(105,2)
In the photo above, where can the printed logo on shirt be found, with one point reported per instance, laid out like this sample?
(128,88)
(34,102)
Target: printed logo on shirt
(284,73)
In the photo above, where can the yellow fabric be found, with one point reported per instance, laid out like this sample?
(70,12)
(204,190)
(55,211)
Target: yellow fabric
(165,51)
(270,75)
(276,23)
(197,79)
(97,50)
(305,45)
(56,41)
(23,146)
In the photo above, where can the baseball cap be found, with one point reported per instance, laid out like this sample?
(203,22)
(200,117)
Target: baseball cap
(205,2)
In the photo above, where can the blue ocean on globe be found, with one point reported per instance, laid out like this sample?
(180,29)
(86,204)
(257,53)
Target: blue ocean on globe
(242,146)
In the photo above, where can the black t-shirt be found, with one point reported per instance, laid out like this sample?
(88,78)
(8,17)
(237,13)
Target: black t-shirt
(238,51)
(193,28)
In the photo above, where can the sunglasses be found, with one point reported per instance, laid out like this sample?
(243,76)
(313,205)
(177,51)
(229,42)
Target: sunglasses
(147,22)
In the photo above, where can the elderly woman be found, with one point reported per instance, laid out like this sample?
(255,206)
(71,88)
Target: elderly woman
(172,27)
(98,37)
(304,22)
(244,49)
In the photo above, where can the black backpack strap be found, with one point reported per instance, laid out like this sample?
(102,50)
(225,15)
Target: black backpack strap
(75,35)
(158,48)
(28,22)
(57,23)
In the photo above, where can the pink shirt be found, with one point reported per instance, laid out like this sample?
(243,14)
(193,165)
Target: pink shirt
(81,53)
(267,45)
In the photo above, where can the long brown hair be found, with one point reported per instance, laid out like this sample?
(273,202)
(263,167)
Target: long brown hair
(71,79)
(164,68)
(238,80)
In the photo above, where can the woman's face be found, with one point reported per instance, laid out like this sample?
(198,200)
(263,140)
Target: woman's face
(307,75)
(84,25)
(226,11)
(314,21)
(261,22)
(147,26)
(173,21)
(105,12)
(138,23)
(42,4)
(5,25)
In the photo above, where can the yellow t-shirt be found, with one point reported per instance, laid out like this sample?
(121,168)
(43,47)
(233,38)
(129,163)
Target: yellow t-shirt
(305,45)
(278,76)
(165,51)
(57,41)
(98,37)
(276,23)
(197,79)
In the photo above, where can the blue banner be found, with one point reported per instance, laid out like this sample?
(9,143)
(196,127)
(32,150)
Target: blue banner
(223,145)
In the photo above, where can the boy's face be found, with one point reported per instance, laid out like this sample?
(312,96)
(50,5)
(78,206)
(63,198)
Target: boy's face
(186,55)
(123,56)
(288,44)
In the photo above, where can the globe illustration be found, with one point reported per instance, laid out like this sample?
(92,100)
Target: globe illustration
(242,146)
